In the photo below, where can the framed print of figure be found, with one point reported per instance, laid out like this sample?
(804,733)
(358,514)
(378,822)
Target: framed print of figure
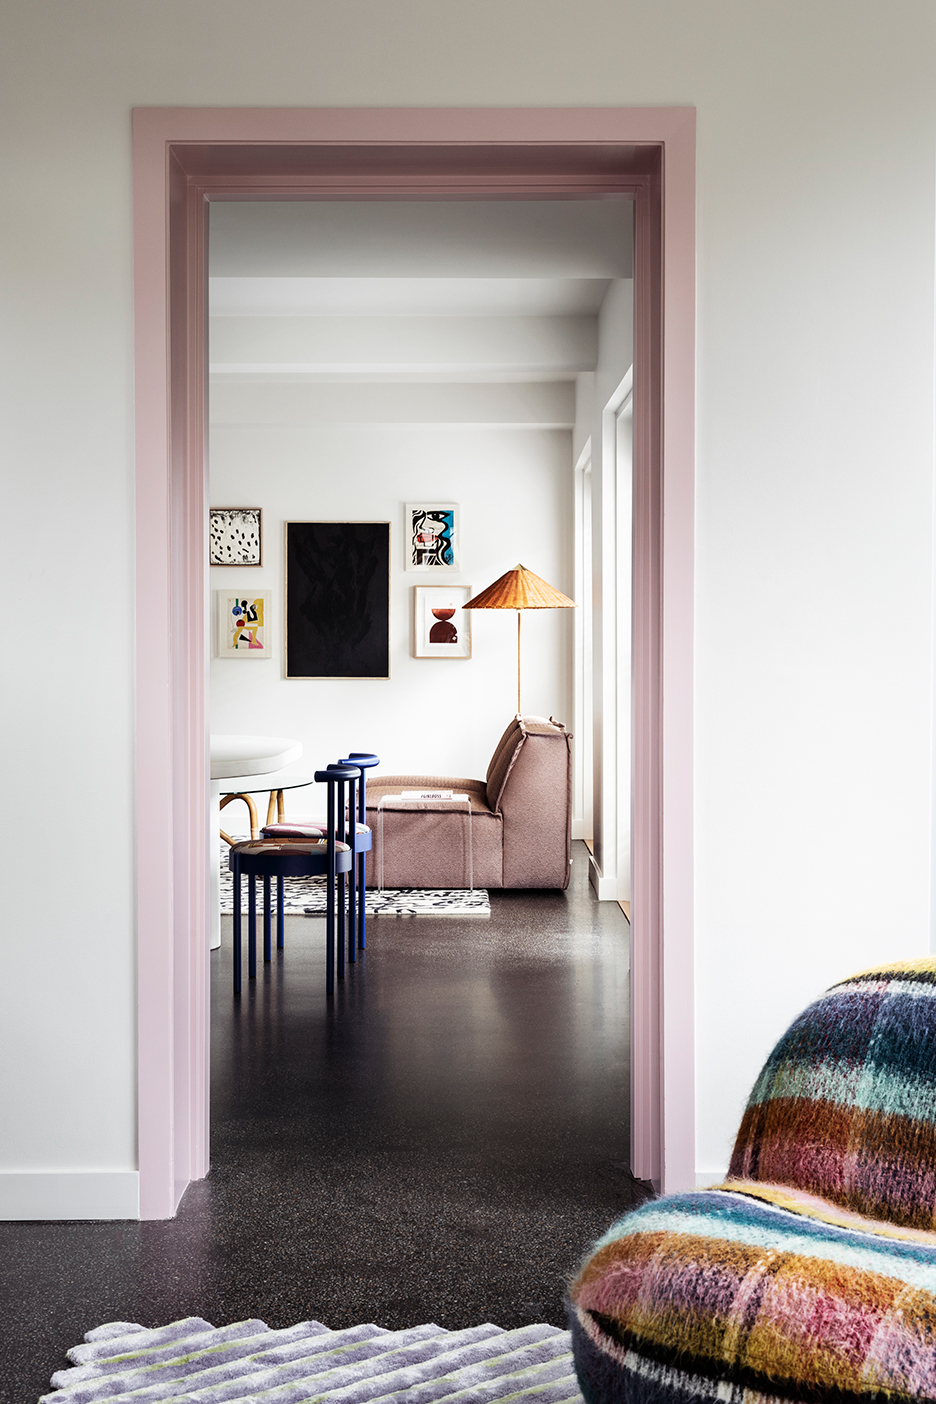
(431,537)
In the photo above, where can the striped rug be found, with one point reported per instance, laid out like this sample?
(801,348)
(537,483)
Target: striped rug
(193,1362)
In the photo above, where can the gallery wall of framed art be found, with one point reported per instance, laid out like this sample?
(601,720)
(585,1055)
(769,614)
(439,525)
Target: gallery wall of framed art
(395,690)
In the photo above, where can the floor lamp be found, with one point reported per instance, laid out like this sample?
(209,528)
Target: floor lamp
(520,589)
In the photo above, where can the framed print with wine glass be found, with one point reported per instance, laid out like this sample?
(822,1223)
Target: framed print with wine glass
(443,625)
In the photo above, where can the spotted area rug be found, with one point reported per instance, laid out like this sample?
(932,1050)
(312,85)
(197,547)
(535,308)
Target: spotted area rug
(306,897)
(192,1360)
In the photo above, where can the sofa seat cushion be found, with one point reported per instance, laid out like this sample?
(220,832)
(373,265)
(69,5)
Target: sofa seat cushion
(428,843)
(718,1296)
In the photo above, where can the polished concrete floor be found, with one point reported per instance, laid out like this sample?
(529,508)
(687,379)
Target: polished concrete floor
(440,1143)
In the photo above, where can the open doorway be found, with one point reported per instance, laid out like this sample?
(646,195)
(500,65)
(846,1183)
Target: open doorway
(182,159)
(366,355)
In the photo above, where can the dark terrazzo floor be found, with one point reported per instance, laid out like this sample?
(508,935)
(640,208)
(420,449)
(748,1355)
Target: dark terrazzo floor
(440,1144)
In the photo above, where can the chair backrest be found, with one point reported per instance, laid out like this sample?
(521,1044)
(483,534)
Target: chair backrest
(365,761)
(342,781)
(845,1107)
(505,753)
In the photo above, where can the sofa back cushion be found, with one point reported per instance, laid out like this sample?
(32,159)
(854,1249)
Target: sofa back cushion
(845,1107)
(505,753)
(529,783)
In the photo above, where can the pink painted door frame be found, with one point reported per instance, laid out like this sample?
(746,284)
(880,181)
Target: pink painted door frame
(182,158)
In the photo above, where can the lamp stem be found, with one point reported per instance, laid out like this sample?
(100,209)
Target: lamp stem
(519,712)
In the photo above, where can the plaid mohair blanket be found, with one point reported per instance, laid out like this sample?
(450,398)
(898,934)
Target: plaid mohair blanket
(810,1275)
(845,1107)
(701,1291)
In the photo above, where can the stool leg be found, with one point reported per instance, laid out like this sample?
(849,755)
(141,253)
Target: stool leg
(330,935)
(330,898)
(267,953)
(343,911)
(341,895)
(237,924)
(362,909)
(252,926)
(280,915)
(352,904)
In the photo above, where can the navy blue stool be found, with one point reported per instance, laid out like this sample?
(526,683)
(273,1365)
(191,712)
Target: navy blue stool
(295,856)
(343,823)
(360,839)
(363,843)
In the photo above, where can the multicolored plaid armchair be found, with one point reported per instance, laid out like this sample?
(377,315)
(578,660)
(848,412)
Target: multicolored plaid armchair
(810,1274)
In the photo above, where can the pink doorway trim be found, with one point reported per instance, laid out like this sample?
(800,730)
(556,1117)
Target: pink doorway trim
(185,156)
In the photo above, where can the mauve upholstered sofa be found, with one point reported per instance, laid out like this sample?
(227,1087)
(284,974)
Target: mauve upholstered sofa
(520,825)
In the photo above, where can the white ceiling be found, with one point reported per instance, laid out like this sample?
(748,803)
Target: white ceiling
(412,297)
(417,239)
(477,292)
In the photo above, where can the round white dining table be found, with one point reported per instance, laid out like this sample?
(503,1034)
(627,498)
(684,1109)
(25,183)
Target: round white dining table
(233,756)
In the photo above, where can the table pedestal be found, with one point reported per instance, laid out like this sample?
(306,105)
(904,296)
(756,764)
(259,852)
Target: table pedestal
(238,785)
(214,868)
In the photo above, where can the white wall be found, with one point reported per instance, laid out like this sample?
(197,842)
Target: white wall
(610,542)
(514,487)
(815,335)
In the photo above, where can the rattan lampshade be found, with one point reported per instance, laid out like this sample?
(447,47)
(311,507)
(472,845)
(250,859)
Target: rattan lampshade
(520,589)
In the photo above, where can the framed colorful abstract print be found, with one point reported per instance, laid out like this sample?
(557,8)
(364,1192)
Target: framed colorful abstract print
(431,538)
(337,599)
(234,536)
(443,625)
(245,623)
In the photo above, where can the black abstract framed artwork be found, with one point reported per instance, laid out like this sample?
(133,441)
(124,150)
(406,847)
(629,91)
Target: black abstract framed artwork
(337,599)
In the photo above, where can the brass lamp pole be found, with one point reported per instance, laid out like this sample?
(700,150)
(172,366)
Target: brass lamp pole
(520,589)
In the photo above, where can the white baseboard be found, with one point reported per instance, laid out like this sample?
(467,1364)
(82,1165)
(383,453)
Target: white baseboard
(578,828)
(69,1194)
(704,1179)
(605,889)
